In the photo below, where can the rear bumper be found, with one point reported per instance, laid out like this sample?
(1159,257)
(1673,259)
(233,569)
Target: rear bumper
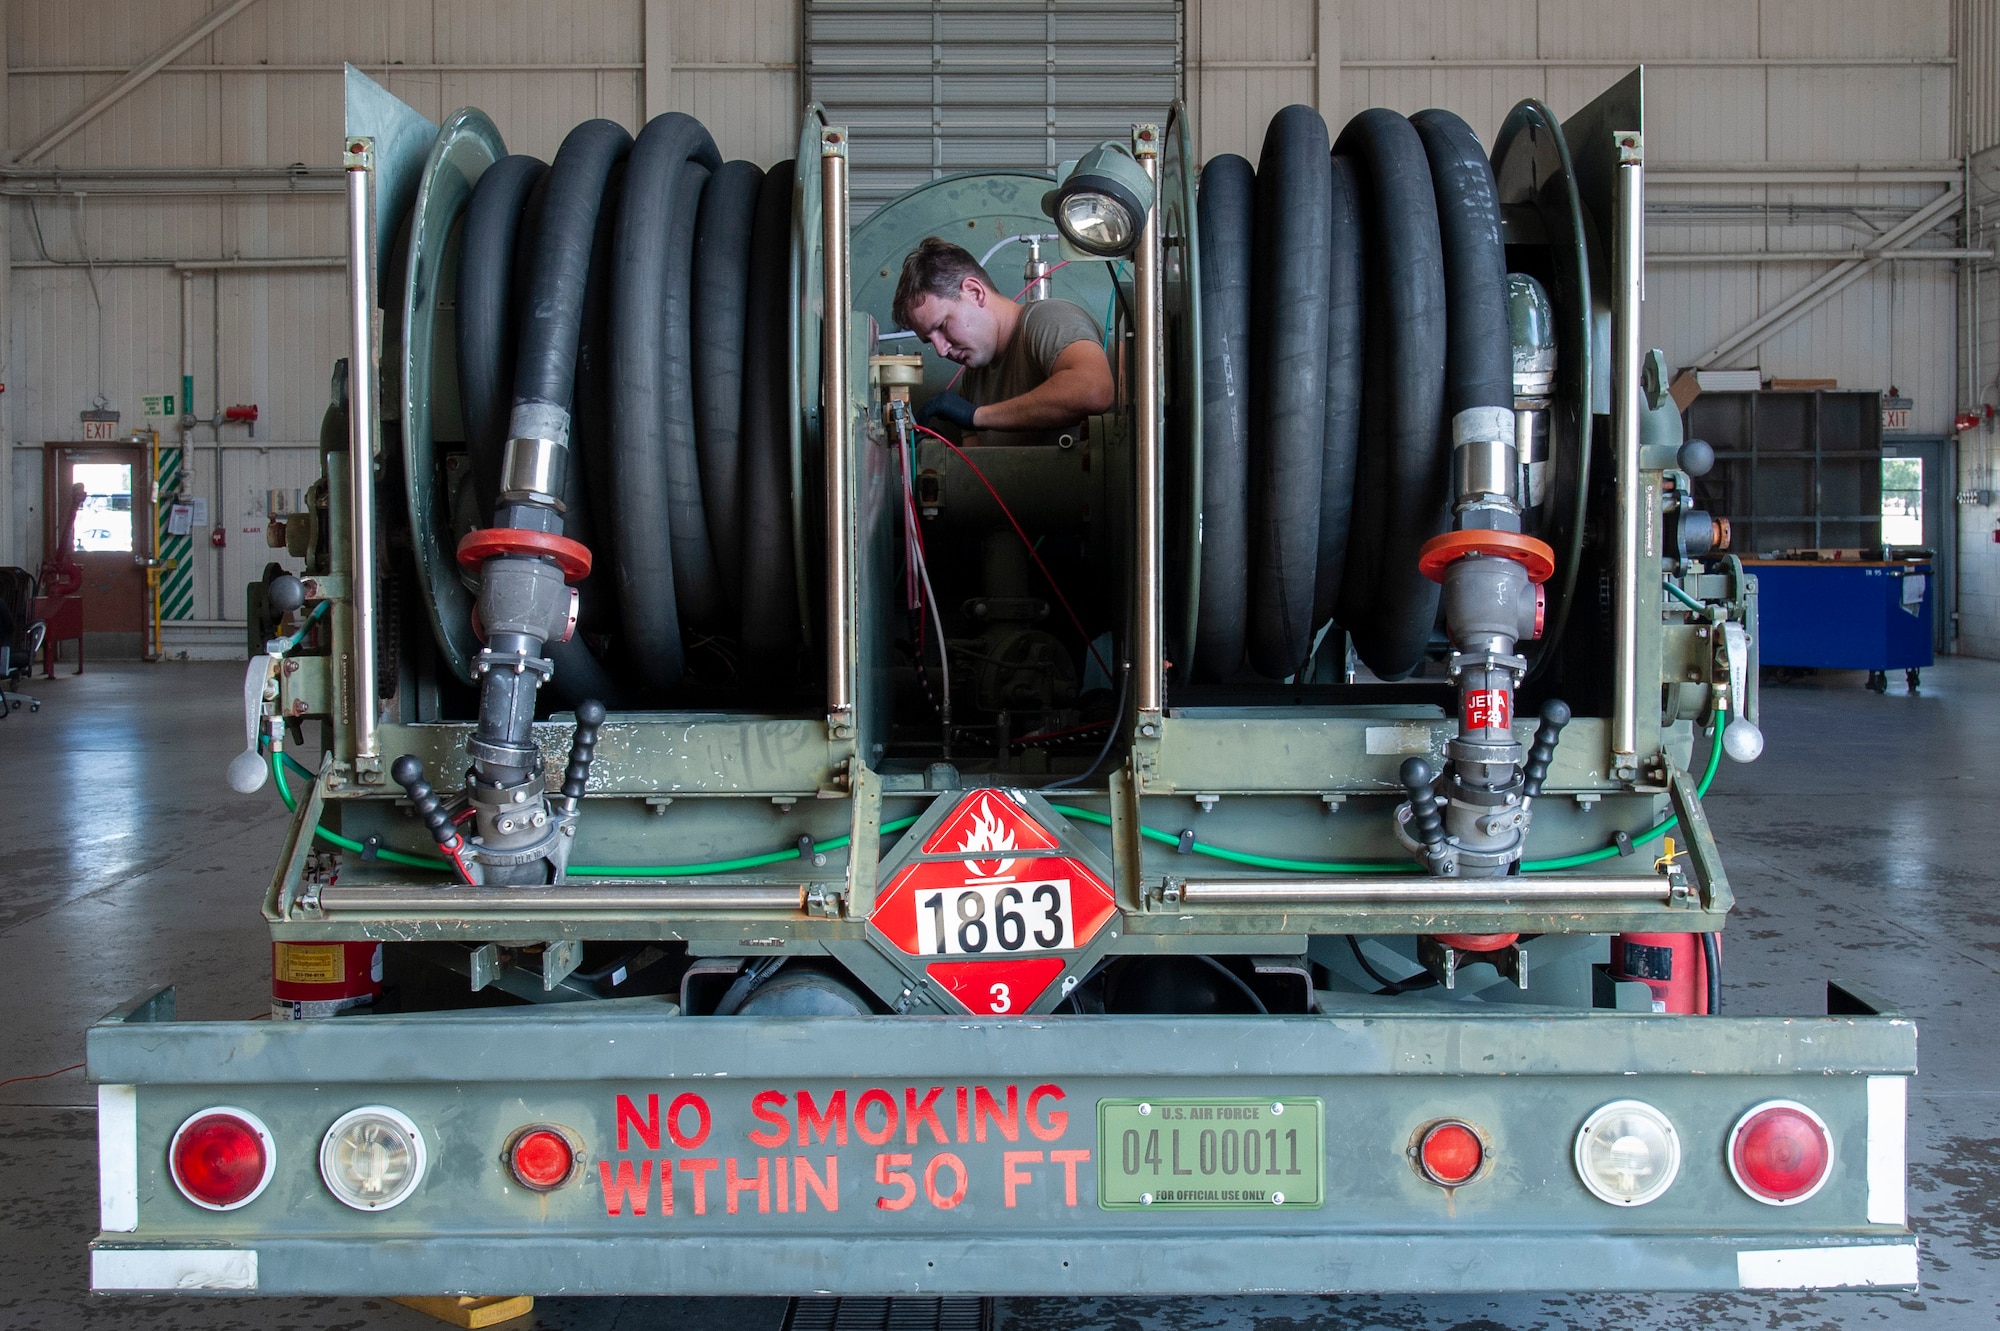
(736,1115)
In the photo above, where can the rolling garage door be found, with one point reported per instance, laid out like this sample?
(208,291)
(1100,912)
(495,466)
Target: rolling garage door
(930,87)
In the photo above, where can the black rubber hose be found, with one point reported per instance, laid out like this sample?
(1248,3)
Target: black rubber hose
(1224,213)
(588,497)
(1385,603)
(1711,956)
(721,291)
(484,319)
(770,632)
(552,315)
(641,393)
(1347,309)
(696,586)
(1289,275)
(1479,359)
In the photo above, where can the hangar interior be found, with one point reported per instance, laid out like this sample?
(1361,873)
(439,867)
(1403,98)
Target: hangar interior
(1820,275)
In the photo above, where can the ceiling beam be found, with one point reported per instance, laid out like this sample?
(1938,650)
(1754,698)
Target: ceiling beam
(135,77)
(1829,284)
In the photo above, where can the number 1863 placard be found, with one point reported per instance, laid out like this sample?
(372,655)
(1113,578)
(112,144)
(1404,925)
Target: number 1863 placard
(995,919)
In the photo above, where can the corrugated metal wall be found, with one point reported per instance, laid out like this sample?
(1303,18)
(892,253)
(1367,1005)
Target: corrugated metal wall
(930,87)
(265,89)
(1759,88)
(1979,448)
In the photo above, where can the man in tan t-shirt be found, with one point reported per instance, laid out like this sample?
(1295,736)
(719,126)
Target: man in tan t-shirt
(1029,368)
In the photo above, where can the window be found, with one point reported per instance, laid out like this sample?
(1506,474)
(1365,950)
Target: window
(104,523)
(1902,501)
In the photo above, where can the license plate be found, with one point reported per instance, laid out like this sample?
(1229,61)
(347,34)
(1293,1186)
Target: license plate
(1213,1153)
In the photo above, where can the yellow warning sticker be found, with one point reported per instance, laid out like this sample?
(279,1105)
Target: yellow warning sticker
(310,963)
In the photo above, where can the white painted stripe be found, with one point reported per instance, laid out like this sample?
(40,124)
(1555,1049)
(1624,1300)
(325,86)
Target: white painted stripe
(118,1159)
(197,1268)
(1828,1268)
(1887,1119)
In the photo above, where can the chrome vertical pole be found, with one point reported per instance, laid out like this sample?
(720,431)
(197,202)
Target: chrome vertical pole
(1628,292)
(1148,651)
(836,422)
(361,427)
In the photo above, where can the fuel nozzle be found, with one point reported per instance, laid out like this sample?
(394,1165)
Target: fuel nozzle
(1491,573)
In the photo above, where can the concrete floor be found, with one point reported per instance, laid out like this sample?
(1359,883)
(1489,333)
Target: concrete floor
(1858,847)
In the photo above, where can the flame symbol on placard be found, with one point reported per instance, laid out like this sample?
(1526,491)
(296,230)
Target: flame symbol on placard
(987,833)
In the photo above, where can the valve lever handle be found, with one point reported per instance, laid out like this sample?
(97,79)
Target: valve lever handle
(1555,715)
(408,772)
(1425,821)
(582,747)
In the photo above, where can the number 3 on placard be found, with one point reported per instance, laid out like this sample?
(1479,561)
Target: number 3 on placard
(1003,998)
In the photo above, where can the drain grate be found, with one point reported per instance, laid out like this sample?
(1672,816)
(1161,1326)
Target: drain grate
(890,1315)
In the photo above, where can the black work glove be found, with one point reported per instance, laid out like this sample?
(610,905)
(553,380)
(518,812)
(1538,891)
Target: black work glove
(948,406)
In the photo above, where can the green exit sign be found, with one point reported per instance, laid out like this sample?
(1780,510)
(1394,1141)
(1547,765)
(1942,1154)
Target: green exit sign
(159,404)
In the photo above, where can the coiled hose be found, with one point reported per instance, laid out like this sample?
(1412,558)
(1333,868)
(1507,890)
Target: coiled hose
(641,288)
(1359,293)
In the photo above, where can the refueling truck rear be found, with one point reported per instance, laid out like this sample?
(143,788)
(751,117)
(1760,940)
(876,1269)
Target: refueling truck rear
(742,840)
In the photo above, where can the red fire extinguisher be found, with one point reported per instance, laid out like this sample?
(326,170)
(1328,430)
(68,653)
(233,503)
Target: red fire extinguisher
(314,980)
(1673,966)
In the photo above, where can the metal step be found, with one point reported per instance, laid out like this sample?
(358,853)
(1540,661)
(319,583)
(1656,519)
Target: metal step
(906,1314)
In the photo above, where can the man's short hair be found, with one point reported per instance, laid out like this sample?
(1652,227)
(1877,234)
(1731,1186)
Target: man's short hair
(936,267)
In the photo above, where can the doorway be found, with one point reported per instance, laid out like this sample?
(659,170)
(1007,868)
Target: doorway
(1919,475)
(100,521)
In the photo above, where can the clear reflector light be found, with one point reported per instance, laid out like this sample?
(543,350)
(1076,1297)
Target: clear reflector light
(1781,1152)
(372,1158)
(222,1158)
(1096,222)
(1627,1153)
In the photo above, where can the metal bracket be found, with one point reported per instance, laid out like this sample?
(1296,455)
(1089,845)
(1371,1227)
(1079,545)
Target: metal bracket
(558,960)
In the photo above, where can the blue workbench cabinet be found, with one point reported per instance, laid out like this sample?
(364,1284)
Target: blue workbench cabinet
(1844,614)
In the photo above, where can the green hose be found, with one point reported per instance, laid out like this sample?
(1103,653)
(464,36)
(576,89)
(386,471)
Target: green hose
(581,870)
(1658,830)
(1686,600)
(1067,810)
(335,838)
(1335,866)
(1241,856)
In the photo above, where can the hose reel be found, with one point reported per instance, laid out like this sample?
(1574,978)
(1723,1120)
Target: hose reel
(1355,304)
(633,306)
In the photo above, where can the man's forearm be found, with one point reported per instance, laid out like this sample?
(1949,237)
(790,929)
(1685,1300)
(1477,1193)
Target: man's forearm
(1065,398)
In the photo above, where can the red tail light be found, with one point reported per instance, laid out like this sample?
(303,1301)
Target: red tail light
(222,1158)
(1450,1153)
(1781,1152)
(542,1158)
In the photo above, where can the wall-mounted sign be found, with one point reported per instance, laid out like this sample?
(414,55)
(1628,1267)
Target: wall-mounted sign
(1896,413)
(100,427)
(159,404)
